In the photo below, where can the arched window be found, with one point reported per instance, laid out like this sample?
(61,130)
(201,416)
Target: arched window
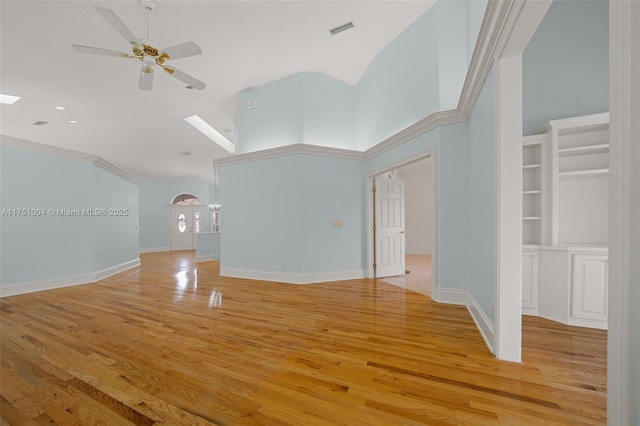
(186,200)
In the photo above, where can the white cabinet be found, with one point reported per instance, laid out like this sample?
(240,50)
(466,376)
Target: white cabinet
(573,285)
(589,289)
(530,281)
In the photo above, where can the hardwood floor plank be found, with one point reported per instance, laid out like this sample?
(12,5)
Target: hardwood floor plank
(172,342)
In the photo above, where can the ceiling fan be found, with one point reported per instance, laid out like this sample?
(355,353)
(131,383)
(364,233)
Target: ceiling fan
(143,50)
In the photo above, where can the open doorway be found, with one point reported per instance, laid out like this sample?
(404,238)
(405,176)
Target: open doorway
(419,219)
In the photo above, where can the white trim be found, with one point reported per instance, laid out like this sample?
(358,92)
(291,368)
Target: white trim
(205,258)
(294,149)
(464,298)
(110,167)
(451,297)
(292,278)
(24,287)
(508,209)
(112,270)
(26,145)
(623,366)
(154,249)
(482,322)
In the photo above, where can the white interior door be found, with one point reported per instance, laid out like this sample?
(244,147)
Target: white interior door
(181,228)
(389,223)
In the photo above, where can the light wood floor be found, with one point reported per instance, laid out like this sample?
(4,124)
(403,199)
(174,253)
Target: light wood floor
(172,343)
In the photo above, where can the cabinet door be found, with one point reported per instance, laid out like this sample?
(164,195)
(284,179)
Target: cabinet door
(590,287)
(530,282)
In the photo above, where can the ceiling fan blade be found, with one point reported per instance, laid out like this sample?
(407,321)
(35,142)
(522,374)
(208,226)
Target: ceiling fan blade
(146,78)
(185,78)
(113,20)
(99,51)
(182,50)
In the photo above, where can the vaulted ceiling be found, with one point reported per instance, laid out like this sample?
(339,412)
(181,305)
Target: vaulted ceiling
(244,44)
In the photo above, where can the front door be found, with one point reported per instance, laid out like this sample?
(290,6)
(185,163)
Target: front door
(389,222)
(181,228)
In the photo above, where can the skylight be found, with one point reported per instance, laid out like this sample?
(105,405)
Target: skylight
(210,132)
(8,99)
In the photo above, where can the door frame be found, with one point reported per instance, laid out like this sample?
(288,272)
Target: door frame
(430,153)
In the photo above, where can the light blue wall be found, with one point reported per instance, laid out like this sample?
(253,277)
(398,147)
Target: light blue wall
(60,246)
(155,197)
(262,218)
(452,51)
(63,246)
(277,119)
(451,232)
(475,14)
(329,111)
(400,86)
(480,187)
(116,235)
(332,189)
(565,67)
(308,107)
(278,214)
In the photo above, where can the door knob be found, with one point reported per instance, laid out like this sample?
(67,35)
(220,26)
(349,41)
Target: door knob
(402,232)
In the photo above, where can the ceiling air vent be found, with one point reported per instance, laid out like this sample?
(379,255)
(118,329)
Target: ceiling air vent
(342,28)
(39,123)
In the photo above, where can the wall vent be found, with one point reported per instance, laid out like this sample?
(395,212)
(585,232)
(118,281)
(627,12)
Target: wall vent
(342,28)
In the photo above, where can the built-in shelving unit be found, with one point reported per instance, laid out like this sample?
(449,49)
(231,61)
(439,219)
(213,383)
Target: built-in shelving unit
(565,217)
(579,186)
(533,177)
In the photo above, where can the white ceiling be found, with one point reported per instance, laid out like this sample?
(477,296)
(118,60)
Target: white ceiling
(244,43)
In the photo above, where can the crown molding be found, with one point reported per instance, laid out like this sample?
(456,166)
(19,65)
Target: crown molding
(23,144)
(295,149)
(110,167)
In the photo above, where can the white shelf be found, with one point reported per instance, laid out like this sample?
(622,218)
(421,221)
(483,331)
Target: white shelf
(533,192)
(582,150)
(531,166)
(584,173)
(532,218)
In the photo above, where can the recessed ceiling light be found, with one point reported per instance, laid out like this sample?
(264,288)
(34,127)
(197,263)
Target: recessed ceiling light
(210,132)
(342,28)
(73,121)
(8,99)
(60,107)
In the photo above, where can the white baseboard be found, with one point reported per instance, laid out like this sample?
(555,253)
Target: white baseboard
(107,272)
(154,249)
(24,287)
(205,258)
(292,278)
(482,321)
(463,297)
(451,297)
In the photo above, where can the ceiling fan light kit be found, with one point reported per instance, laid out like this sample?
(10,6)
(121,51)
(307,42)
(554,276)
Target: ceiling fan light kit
(146,52)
